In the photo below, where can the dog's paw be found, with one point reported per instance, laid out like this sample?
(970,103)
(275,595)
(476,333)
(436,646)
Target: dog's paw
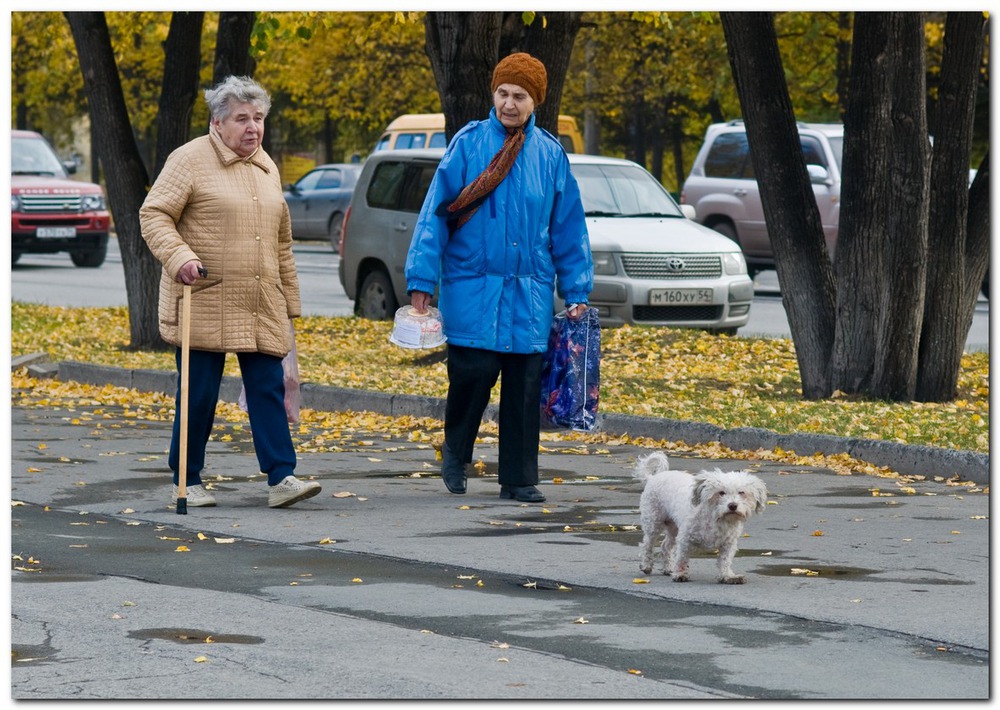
(680,577)
(646,570)
(738,579)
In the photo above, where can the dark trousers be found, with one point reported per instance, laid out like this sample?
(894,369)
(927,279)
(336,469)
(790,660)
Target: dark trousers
(263,378)
(472,373)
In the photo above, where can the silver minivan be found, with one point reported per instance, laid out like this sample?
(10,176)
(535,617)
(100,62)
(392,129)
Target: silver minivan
(653,265)
(723,190)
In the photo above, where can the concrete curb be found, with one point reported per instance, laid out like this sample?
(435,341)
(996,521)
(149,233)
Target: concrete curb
(903,458)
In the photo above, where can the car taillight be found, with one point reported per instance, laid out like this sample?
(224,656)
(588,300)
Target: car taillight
(683,199)
(343,232)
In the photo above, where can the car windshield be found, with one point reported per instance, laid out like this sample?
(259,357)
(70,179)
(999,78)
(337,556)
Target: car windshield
(622,191)
(837,146)
(33,156)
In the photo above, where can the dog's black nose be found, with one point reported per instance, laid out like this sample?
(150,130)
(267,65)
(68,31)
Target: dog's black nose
(732,507)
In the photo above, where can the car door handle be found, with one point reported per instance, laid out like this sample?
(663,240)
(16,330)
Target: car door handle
(740,193)
(401,226)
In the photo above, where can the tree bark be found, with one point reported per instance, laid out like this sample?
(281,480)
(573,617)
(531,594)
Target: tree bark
(463,48)
(790,211)
(549,38)
(232,46)
(182,60)
(126,176)
(951,273)
(901,311)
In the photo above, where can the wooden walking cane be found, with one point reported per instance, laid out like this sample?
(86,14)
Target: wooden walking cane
(182,463)
(185,377)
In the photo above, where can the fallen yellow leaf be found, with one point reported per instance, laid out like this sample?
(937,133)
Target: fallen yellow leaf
(326,541)
(357,580)
(633,671)
(817,533)
(201,659)
(182,548)
(343,494)
(580,620)
(640,580)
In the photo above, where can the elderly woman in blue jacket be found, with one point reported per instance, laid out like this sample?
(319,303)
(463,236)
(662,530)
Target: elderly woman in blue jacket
(501,228)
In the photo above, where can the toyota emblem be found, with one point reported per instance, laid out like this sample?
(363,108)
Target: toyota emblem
(675,264)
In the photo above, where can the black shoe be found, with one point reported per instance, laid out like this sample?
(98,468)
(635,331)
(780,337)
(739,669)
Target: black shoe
(525,494)
(453,475)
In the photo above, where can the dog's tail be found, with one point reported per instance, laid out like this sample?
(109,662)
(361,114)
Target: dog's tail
(648,465)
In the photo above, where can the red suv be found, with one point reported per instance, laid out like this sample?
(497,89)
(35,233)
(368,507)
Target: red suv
(50,212)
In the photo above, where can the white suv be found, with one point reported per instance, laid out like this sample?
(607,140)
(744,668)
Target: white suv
(723,190)
(653,265)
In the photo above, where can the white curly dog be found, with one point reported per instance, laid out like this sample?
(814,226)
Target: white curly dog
(705,510)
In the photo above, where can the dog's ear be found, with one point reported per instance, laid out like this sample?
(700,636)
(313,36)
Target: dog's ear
(759,492)
(702,490)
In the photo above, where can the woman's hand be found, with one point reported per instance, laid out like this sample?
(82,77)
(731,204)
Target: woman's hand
(575,311)
(190,272)
(420,300)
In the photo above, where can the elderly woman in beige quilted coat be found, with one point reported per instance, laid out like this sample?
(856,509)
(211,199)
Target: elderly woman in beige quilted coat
(217,208)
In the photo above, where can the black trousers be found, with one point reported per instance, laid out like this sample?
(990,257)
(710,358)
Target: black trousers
(472,373)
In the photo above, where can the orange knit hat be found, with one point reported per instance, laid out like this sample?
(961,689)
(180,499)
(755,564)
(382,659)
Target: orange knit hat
(524,70)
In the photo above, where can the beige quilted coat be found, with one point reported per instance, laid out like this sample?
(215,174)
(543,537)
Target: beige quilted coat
(228,212)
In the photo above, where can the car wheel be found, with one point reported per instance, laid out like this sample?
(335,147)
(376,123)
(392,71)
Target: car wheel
(376,300)
(89,259)
(334,229)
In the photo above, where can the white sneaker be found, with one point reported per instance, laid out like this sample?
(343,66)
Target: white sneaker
(197,497)
(291,490)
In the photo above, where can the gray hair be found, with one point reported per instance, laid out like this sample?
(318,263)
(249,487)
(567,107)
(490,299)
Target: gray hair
(238,89)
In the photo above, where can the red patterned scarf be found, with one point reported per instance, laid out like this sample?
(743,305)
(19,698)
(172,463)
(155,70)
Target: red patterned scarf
(472,195)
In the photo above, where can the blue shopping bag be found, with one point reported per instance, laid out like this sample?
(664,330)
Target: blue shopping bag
(571,373)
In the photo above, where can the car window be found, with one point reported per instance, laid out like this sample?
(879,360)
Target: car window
(812,151)
(623,190)
(309,180)
(438,141)
(410,140)
(400,185)
(727,156)
(418,180)
(386,184)
(32,156)
(329,179)
(383,143)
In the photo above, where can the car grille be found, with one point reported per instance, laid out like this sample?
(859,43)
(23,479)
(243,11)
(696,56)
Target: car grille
(51,203)
(676,313)
(672,266)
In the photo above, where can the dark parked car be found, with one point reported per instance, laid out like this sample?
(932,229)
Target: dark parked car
(318,200)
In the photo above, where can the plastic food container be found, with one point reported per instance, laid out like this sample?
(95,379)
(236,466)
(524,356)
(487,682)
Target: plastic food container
(417,331)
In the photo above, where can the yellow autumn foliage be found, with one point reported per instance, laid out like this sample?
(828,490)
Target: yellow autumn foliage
(682,374)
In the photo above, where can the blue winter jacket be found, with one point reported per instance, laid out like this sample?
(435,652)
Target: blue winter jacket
(498,272)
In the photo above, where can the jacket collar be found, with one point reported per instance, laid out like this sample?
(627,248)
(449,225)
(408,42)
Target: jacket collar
(495,123)
(227,156)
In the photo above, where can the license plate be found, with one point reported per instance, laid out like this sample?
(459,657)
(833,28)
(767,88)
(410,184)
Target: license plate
(679,296)
(54,232)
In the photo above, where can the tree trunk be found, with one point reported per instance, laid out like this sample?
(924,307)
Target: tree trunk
(843,61)
(126,176)
(860,266)
(549,38)
(903,288)
(951,290)
(182,60)
(232,46)
(790,211)
(463,48)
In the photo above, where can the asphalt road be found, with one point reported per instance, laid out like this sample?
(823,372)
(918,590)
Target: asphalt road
(386,587)
(52,279)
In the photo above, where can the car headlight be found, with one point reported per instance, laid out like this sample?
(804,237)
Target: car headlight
(604,263)
(92,203)
(734,263)
(15,203)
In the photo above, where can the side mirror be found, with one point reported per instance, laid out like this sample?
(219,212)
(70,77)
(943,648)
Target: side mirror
(818,175)
(689,211)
